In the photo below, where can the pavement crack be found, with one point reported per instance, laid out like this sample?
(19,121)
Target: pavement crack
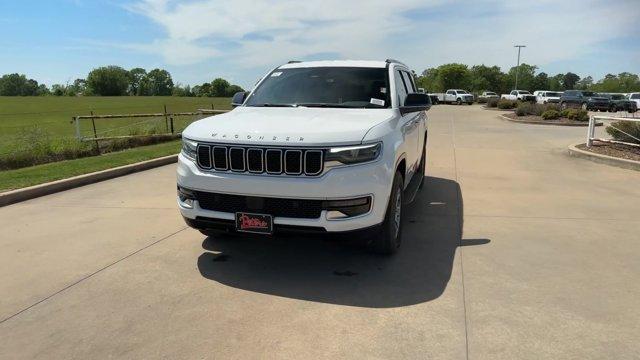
(91,275)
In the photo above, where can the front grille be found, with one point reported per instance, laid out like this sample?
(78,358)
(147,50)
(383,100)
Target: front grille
(291,208)
(275,161)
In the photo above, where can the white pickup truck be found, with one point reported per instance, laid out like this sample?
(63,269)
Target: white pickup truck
(454,96)
(522,95)
(318,147)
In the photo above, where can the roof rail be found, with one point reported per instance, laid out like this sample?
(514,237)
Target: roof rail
(293,61)
(389,61)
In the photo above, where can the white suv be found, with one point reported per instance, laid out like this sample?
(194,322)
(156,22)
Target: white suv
(321,146)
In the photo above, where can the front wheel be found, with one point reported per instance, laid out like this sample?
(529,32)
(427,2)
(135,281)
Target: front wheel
(563,105)
(584,106)
(387,241)
(459,101)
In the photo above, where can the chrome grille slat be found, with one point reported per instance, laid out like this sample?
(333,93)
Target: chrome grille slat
(291,163)
(255,151)
(220,158)
(233,166)
(269,162)
(204,156)
(261,159)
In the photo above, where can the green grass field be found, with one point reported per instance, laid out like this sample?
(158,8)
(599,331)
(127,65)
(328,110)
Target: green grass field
(53,114)
(26,121)
(34,175)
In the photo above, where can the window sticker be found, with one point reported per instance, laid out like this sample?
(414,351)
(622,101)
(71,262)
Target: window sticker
(383,90)
(277,73)
(375,101)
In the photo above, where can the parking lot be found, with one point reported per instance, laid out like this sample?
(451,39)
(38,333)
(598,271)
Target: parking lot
(512,250)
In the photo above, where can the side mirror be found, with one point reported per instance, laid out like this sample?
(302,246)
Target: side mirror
(416,102)
(239,98)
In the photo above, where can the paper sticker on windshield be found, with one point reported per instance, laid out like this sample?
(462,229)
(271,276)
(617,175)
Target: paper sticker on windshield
(375,101)
(383,90)
(278,73)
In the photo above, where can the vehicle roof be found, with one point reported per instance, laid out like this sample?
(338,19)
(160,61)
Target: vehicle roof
(336,63)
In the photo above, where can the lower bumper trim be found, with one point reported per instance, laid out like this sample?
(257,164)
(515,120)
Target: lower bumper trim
(206,223)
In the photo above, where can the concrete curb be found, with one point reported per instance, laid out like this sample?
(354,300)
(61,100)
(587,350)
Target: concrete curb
(585,124)
(603,159)
(14,196)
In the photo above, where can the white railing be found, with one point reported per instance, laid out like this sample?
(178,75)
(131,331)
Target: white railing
(593,120)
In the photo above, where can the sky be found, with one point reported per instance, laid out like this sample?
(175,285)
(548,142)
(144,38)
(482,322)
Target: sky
(57,41)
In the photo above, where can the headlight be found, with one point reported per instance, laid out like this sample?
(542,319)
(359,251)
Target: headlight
(354,154)
(189,149)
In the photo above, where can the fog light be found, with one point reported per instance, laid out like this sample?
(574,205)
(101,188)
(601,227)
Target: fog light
(342,209)
(186,197)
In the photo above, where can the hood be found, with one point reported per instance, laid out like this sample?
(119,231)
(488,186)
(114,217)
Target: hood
(299,126)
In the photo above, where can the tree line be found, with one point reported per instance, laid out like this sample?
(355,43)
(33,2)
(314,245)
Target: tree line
(480,78)
(116,81)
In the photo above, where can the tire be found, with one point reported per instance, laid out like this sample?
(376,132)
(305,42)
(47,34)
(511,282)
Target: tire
(387,240)
(459,101)
(584,106)
(613,108)
(563,105)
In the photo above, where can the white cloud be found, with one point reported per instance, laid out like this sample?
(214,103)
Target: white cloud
(422,33)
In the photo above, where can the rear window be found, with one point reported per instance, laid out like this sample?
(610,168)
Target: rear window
(635,96)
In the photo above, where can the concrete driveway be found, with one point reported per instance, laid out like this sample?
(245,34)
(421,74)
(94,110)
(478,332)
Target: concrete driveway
(513,250)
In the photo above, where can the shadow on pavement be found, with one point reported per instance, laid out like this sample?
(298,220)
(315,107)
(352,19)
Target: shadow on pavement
(340,271)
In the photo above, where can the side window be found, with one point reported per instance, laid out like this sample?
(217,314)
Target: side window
(401,88)
(407,79)
(514,92)
(450,92)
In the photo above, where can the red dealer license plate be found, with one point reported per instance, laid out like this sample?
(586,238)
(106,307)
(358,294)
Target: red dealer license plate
(254,223)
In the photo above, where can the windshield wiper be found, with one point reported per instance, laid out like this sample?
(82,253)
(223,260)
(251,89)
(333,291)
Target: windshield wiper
(274,105)
(324,105)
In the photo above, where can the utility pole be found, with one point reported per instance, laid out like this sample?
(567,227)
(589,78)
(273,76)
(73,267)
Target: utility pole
(518,66)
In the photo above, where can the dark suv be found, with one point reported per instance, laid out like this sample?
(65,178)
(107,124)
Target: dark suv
(618,102)
(587,100)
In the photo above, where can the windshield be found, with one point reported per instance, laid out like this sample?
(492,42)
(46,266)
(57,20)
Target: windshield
(589,93)
(351,87)
(553,94)
(524,92)
(461,92)
(490,93)
(616,97)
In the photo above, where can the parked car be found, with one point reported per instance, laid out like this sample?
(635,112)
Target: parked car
(454,96)
(635,97)
(433,97)
(318,147)
(486,95)
(618,102)
(522,95)
(587,100)
(545,97)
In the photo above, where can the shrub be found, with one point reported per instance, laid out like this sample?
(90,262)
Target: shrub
(507,104)
(629,127)
(493,102)
(525,108)
(578,115)
(555,107)
(565,113)
(482,100)
(550,114)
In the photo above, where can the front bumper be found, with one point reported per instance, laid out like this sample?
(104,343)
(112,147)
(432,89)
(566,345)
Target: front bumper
(373,179)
